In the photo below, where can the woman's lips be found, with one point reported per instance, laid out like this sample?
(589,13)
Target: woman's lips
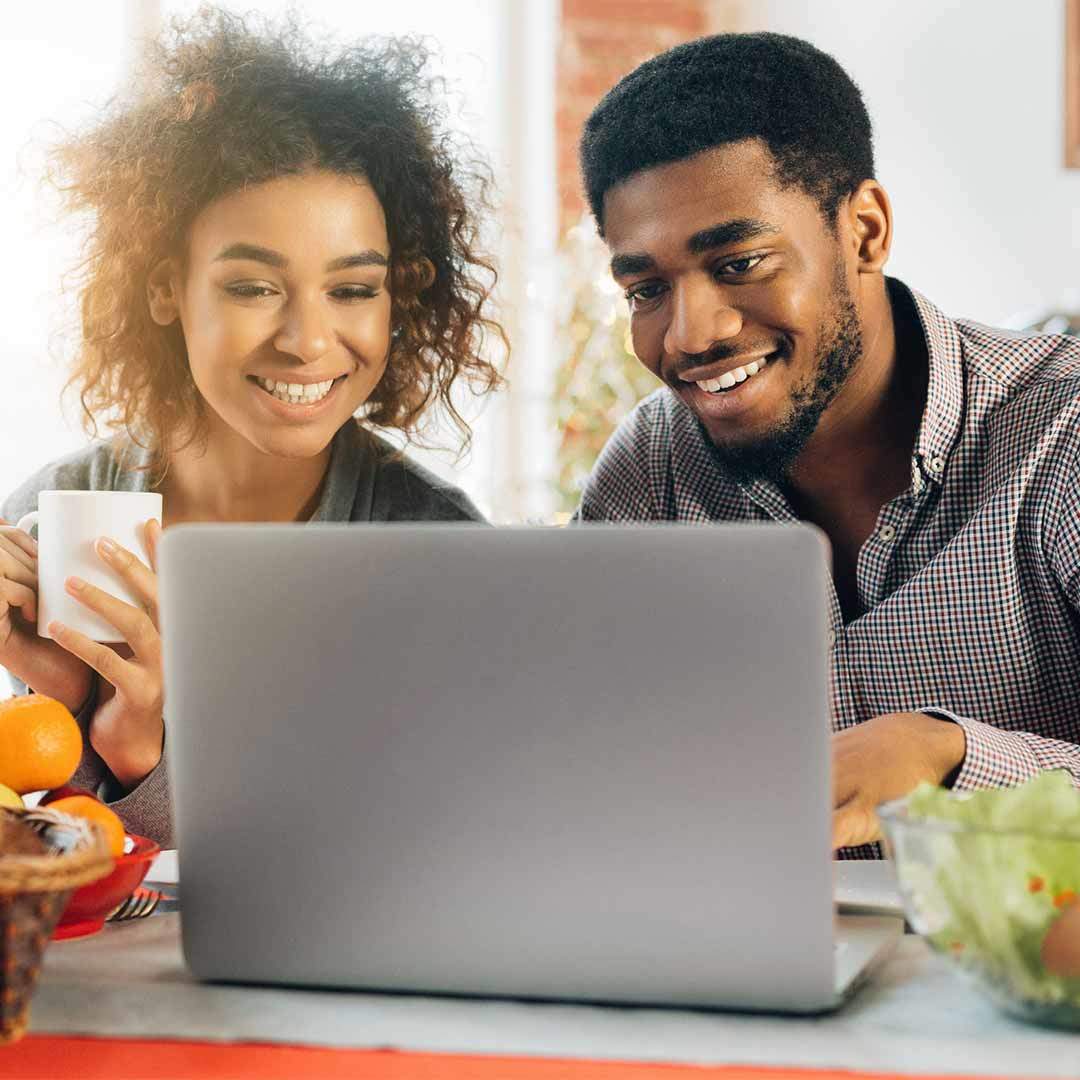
(297,410)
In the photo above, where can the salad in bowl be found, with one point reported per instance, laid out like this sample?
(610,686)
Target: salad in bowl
(992,880)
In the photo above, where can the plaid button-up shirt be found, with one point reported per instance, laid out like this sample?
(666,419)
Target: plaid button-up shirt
(969,583)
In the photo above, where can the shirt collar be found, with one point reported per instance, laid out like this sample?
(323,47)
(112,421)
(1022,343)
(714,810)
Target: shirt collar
(349,476)
(943,415)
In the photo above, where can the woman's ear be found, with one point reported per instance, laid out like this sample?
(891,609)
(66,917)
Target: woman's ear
(161,293)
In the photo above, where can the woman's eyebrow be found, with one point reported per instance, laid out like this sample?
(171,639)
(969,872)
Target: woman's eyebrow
(371,257)
(255,253)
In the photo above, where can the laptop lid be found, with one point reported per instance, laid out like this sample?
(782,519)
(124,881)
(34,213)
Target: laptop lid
(585,763)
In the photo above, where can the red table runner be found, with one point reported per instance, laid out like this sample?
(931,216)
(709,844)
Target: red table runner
(48,1057)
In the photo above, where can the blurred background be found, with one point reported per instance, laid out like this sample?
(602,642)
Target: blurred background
(967,100)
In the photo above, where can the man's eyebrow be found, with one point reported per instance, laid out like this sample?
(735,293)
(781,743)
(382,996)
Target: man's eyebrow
(371,257)
(626,265)
(735,231)
(254,253)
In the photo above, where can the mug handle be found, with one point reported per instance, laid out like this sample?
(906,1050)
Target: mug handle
(28,521)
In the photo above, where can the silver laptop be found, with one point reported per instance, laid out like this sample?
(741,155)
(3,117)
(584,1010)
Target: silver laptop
(586,763)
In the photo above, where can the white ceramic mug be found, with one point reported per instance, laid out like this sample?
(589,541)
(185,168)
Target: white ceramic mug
(68,525)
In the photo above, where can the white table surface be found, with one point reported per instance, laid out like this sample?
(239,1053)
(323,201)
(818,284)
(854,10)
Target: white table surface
(915,1015)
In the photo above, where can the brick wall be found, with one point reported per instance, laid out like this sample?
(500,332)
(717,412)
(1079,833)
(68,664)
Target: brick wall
(602,40)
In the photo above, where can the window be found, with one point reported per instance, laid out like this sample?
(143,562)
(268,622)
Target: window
(54,72)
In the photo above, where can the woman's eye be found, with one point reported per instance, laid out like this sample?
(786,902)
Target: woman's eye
(735,267)
(645,293)
(354,292)
(249,292)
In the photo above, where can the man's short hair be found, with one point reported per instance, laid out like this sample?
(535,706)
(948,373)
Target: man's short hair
(722,89)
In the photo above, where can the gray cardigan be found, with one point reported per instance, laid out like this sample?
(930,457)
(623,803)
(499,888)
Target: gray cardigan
(366,481)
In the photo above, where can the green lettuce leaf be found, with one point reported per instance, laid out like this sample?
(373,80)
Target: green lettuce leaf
(988,898)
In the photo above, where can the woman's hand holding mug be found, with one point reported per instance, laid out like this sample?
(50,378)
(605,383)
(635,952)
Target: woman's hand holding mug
(40,663)
(87,593)
(127,729)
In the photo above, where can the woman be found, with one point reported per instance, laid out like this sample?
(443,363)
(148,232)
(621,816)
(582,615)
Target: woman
(282,259)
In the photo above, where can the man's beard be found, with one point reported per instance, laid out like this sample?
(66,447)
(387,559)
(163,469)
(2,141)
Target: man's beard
(772,455)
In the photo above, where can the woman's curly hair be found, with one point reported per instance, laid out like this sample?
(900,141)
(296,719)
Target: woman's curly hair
(222,104)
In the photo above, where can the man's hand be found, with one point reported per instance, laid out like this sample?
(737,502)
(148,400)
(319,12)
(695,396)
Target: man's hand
(127,729)
(885,758)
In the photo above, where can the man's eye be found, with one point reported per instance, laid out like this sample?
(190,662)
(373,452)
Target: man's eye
(249,292)
(735,267)
(642,294)
(354,292)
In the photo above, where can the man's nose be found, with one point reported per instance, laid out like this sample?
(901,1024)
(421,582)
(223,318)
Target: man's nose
(306,332)
(702,315)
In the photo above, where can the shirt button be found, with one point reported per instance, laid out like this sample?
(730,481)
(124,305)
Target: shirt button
(886,533)
(936,464)
(832,638)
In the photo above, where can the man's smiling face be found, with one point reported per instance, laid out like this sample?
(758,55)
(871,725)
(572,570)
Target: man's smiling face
(739,298)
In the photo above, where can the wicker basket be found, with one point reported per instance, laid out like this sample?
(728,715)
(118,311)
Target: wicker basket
(44,855)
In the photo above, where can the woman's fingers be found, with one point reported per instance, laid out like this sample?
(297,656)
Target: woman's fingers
(20,546)
(152,534)
(16,595)
(111,667)
(136,574)
(134,624)
(16,569)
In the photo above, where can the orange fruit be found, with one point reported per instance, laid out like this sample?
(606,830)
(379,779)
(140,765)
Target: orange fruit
(86,806)
(40,743)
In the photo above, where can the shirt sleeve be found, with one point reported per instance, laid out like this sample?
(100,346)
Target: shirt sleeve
(1065,539)
(1000,757)
(146,810)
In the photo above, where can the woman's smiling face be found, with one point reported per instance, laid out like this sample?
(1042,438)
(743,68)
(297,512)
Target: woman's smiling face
(284,303)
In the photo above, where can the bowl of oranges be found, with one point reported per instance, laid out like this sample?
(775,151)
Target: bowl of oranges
(40,748)
(92,904)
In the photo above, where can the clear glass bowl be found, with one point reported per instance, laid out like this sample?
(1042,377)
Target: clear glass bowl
(978,896)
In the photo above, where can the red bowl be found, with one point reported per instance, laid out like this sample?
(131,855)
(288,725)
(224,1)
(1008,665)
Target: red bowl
(88,907)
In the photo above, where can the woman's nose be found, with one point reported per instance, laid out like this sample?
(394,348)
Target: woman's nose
(306,332)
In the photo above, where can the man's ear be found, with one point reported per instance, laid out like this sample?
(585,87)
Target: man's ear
(869,215)
(161,293)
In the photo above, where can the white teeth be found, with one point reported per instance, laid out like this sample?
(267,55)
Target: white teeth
(297,393)
(731,378)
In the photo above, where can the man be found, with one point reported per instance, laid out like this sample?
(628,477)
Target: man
(732,179)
